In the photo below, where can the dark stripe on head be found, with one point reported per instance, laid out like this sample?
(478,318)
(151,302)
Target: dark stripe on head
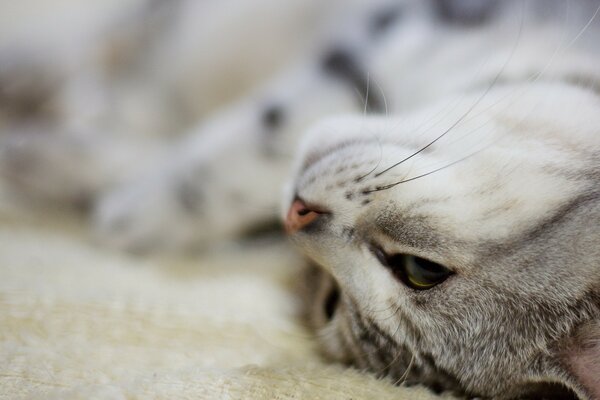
(551,224)
(377,350)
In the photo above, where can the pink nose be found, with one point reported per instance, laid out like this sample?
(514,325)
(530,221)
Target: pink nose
(299,216)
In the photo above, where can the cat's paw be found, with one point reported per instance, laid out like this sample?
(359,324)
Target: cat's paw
(183,205)
(135,218)
(150,214)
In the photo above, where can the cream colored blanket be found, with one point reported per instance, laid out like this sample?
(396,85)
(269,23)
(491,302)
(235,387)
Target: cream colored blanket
(81,322)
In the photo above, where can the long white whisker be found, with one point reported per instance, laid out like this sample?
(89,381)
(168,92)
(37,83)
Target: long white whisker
(471,108)
(585,27)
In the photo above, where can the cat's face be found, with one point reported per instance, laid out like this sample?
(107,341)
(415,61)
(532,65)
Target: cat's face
(473,264)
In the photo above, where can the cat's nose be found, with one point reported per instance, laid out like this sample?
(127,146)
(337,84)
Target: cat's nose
(300,215)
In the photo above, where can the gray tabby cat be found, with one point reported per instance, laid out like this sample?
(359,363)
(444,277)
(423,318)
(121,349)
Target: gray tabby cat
(459,243)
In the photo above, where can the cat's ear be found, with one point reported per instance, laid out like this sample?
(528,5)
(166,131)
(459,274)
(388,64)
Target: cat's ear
(581,358)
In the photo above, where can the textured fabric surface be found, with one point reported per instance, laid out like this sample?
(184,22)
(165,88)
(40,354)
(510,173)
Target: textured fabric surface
(81,322)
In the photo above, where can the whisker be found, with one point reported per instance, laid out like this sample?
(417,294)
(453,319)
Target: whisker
(471,108)
(385,103)
(393,314)
(429,123)
(372,310)
(404,376)
(367,93)
(585,27)
(558,50)
(391,185)
(360,178)
(382,92)
(398,353)
(534,77)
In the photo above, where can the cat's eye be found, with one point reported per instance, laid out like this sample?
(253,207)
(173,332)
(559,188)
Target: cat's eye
(415,272)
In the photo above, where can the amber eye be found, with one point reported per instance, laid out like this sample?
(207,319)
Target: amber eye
(415,272)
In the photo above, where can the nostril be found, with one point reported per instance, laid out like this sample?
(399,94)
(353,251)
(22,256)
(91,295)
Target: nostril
(300,215)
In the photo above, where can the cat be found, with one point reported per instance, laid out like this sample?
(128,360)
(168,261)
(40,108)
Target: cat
(457,243)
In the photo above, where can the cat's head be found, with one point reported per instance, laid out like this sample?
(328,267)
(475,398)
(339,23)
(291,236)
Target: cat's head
(460,245)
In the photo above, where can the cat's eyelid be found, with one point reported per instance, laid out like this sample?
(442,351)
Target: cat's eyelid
(403,276)
(383,252)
